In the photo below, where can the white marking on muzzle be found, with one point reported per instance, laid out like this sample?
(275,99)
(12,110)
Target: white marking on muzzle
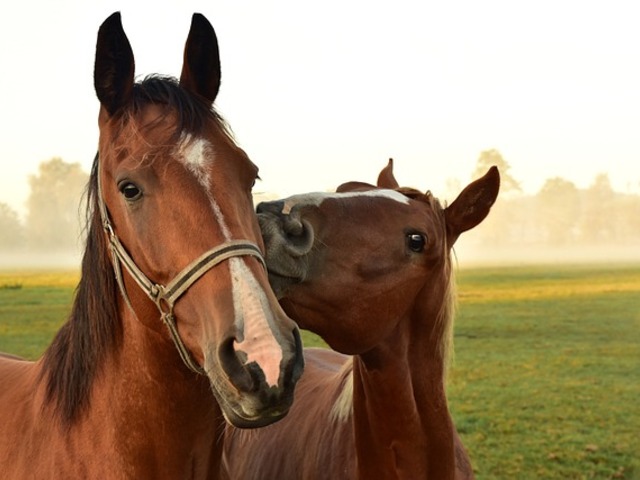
(254,317)
(317,198)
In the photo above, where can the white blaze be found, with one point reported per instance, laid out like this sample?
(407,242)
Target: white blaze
(253,316)
(317,198)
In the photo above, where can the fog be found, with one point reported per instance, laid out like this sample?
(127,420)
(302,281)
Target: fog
(39,260)
(520,230)
(561,223)
(477,255)
(467,253)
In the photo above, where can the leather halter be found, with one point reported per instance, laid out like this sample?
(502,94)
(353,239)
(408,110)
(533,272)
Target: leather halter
(165,296)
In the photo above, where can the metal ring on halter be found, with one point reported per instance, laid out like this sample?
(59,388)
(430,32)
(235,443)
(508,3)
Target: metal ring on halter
(168,294)
(157,295)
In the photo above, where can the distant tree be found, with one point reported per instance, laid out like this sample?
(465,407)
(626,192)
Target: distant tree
(11,230)
(53,214)
(500,225)
(558,210)
(597,225)
(489,158)
(625,215)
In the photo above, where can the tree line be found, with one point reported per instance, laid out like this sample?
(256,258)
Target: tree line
(559,214)
(52,223)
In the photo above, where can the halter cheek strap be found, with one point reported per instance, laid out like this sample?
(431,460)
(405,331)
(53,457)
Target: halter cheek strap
(165,296)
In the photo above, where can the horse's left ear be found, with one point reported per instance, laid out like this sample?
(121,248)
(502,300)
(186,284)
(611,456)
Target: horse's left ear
(472,205)
(386,179)
(201,66)
(114,67)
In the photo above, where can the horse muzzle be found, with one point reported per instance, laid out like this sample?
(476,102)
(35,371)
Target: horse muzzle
(246,397)
(288,240)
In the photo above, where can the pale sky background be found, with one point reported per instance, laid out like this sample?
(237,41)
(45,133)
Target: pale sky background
(319,93)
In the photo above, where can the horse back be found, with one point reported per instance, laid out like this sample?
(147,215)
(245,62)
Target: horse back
(10,356)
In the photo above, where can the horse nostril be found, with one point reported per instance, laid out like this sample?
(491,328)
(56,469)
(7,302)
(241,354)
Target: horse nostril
(299,237)
(233,365)
(297,365)
(293,226)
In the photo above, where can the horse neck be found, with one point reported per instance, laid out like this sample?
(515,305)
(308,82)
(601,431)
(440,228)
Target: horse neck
(146,386)
(402,423)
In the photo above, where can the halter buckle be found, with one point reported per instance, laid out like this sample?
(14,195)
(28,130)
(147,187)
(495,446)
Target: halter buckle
(157,294)
(108,228)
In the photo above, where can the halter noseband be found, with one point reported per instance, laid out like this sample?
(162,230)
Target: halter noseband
(165,296)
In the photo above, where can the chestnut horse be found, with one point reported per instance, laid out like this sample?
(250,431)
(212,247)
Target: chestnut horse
(174,326)
(369,270)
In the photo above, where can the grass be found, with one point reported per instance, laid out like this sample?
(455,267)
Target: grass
(546,380)
(33,305)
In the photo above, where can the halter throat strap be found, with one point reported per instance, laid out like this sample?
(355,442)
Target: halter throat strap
(165,296)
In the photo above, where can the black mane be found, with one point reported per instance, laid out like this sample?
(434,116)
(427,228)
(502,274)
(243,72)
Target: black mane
(93,329)
(193,113)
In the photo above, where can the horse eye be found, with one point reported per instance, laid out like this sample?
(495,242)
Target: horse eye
(416,242)
(130,191)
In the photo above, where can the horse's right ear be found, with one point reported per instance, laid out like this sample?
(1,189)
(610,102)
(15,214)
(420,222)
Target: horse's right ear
(201,66)
(386,179)
(472,205)
(114,66)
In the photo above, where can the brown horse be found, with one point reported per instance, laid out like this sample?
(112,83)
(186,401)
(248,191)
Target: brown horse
(174,325)
(369,270)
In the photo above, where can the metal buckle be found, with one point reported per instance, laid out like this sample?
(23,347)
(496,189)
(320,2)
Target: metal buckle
(157,295)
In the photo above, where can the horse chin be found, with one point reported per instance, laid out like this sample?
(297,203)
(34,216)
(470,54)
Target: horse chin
(262,420)
(246,411)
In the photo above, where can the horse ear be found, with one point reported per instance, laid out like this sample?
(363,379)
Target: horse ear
(472,205)
(201,66)
(386,178)
(114,66)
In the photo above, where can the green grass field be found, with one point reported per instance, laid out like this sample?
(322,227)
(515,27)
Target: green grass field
(546,380)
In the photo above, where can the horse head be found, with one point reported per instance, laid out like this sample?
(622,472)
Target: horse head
(175,198)
(344,264)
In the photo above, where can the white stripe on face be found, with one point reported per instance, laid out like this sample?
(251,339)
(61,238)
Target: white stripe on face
(253,316)
(194,156)
(254,319)
(197,155)
(316,199)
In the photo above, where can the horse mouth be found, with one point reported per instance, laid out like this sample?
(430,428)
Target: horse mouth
(241,420)
(235,414)
(249,410)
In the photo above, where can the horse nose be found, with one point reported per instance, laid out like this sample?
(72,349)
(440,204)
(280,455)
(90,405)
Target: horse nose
(299,235)
(293,225)
(249,376)
(233,366)
(294,362)
(290,222)
(284,232)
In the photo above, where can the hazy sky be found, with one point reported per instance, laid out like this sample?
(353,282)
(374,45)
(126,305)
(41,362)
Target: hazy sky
(323,92)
